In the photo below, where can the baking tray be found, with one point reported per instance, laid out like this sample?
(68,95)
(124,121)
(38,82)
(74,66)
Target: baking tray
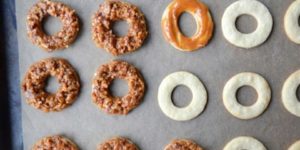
(10,103)
(146,125)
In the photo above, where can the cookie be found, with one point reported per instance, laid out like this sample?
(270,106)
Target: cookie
(197,104)
(54,143)
(249,7)
(289,93)
(246,79)
(183,144)
(34,83)
(117,143)
(61,39)
(244,142)
(171,31)
(291,25)
(104,77)
(115,10)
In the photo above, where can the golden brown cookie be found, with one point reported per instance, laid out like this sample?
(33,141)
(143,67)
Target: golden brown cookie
(114,10)
(34,84)
(182,144)
(118,143)
(59,40)
(104,77)
(54,143)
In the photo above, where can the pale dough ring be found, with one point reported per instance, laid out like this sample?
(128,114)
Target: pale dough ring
(289,97)
(249,7)
(244,142)
(246,79)
(195,107)
(291,24)
(295,146)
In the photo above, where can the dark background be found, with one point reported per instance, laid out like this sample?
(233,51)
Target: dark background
(10,111)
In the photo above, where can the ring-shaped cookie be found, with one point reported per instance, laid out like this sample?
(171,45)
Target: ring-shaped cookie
(291,24)
(54,142)
(117,143)
(115,10)
(170,29)
(249,7)
(244,142)
(34,84)
(182,144)
(295,146)
(289,91)
(104,77)
(195,107)
(246,79)
(59,40)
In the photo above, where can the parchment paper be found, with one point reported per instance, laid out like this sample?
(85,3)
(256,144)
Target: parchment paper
(147,126)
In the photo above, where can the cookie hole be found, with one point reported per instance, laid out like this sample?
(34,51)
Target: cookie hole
(246,23)
(187,24)
(51,25)
(246,95)
(181,96)
(298,93)
(120,28)
(118,88)
(52,85)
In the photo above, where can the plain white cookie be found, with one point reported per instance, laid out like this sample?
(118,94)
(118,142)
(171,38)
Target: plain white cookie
(246,79)
(291,25)
(295,146)
(195,107)
(244,143)
(288,94)
(249,7)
